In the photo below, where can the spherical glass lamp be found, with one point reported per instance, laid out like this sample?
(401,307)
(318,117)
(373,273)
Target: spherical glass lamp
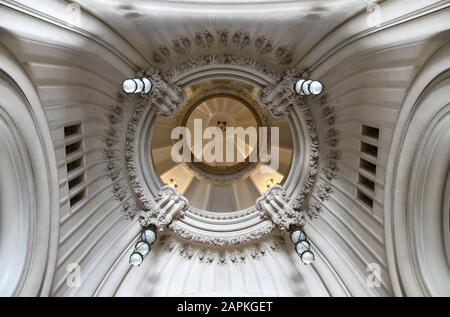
(302,247)
(147,85)
(129,86)
(149,235)
(307,257)
(142,248)
(297,235)
(315,87)
(305,87)
(298,86)
(137,86)
(136,259)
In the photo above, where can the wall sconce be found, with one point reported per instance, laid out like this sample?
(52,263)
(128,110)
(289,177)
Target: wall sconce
(173,182)
(308,87)
(270,182)
(302,245)
(143,246)
(137,86)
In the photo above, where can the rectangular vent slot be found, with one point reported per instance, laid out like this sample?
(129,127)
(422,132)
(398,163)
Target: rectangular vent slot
(371,132)
(369,149)
(72,166)
(365,199)
(366,187)
(368,167)
(74,147)
(72,130)
(74,144)
(76,181)
(366,182)
(77,198)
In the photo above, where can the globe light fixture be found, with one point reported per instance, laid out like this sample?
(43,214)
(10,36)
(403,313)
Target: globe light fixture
(296,235)
(302,245)
(149,236)
(137,86)
(143,246)
(308,87)
(136,259)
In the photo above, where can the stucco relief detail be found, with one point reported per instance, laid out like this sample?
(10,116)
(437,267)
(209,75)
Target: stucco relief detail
(208,256)
(113,140)
(168,204)
(279,99)
(224,59)
(221,240)
(224,39)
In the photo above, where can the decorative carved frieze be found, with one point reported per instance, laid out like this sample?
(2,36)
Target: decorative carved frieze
(221,256)
(223,40)
(225,59)
(280,98)
(221,240)
(114,167)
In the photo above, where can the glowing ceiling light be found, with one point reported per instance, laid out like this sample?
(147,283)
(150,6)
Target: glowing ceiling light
(308,87)
(137,86)
(302,245)
(270,182)
(143,246)
(173,182)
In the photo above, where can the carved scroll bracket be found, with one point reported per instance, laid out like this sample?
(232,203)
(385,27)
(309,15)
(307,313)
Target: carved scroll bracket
(274,205)
(169,205)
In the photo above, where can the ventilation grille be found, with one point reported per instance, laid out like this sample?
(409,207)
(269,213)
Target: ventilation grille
(367,171)
(75,158)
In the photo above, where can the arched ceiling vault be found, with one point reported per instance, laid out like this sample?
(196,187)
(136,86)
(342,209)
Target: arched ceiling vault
(367,70)
(167,32)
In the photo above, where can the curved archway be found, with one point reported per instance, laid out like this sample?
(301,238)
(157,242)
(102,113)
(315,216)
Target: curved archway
(417,197)
(37,200)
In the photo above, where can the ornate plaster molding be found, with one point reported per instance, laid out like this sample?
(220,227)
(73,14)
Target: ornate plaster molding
(165,99)
(221,240)
(223,40)
(113,140)
(274,205)
(280,98)
(225,59)
(234,255)
(168,205)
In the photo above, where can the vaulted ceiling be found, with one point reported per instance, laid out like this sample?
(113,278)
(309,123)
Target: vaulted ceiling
(376,77)
(280,32)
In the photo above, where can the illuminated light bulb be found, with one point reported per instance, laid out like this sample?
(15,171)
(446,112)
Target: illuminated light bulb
(137,86)
(302,247)
(129,86)
(308,87)
(136,259)
(142,248)
(297,235)
(149,236)
(270,182)
(307,257)
(315,87)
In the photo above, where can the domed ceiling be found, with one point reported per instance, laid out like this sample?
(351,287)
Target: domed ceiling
(221,185)
(249,28)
